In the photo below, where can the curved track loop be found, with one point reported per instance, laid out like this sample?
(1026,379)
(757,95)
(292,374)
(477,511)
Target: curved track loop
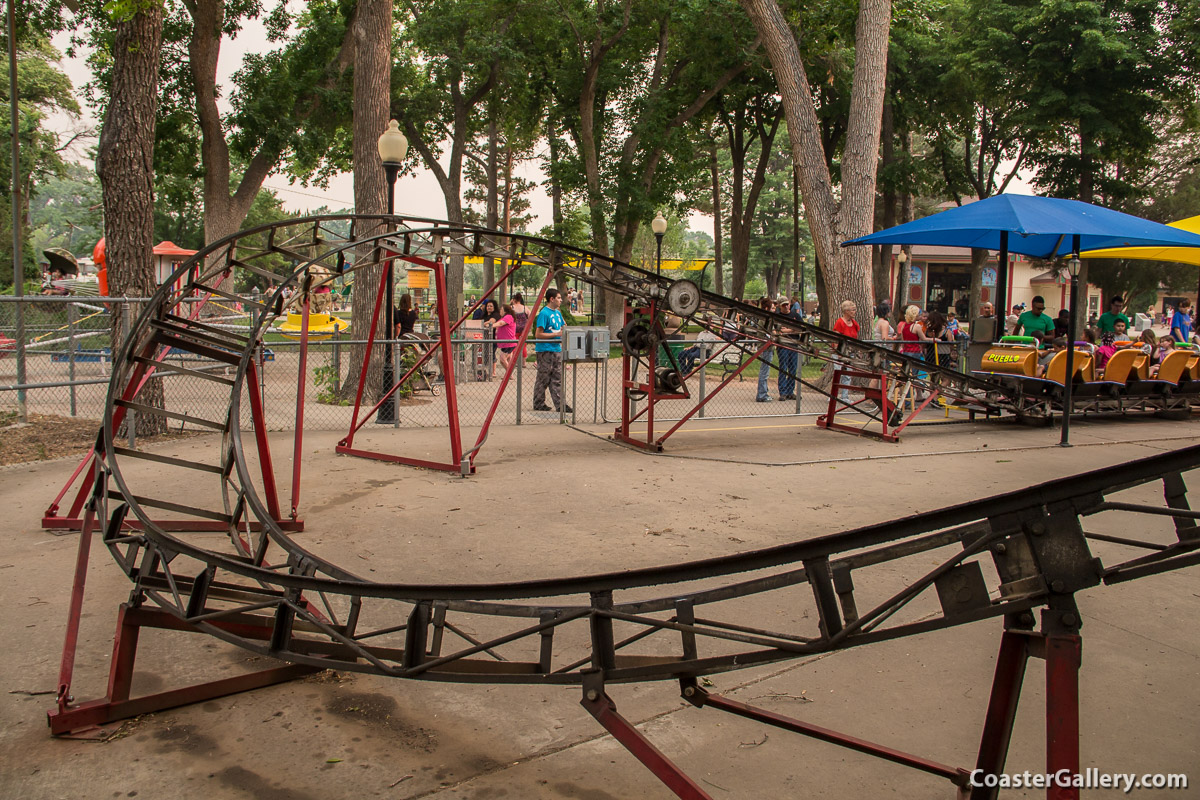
(257,587)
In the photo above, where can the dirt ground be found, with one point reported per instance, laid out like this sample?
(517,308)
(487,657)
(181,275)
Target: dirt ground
(48,436)
(557,501)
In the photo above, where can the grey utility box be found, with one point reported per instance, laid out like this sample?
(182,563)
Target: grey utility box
(575,344)
(586,344)
(598,343)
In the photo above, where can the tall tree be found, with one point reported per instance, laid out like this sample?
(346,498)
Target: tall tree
(371,33)
(626,83)
(125,163)
(846,272)
(455,54)
(42,89)
(750,128)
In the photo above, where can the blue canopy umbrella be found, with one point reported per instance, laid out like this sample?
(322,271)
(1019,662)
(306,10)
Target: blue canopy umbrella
(1042,227)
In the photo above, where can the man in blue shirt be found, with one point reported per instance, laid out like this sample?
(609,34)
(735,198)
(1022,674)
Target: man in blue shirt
(547,335)
(1181,322)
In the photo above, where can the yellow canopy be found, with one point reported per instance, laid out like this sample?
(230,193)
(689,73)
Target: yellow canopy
(1183,255)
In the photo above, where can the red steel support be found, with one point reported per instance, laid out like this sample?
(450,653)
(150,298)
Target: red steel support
(117,705)
(696,409)
(700,698)
(649,387)
(362,374)
(1002,709)
(508,371)
(1063,654)
(604,710)
(66,669)
(877,392)
(439,273)
(301,385)
(258,420)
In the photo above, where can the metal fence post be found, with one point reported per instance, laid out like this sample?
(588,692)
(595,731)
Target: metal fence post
(703,374)
(337,363)
(72,313)
(395,351)
(518,353)
(799,384)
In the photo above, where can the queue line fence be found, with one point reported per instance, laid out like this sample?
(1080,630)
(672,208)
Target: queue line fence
(68,352)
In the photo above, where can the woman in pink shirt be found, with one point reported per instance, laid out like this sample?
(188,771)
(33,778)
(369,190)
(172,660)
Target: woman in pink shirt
(504,331)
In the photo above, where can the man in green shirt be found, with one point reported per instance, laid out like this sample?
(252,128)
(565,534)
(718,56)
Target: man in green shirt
(1109,318)
(1035,323)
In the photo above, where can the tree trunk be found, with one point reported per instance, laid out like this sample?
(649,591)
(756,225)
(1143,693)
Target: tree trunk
(979,259)
(502,294)
(372,90)
(492,214)
(846,271)
(125,163)
(718,267)
(883,254)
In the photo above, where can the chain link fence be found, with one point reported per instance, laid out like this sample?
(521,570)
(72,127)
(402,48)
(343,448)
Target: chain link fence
(68,360)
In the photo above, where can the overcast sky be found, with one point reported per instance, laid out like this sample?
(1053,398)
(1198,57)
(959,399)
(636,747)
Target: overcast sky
(417,194)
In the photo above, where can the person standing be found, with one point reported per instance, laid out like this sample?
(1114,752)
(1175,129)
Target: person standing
(548,350)
(1109,318)
(764,360)
(846,325)
(1035,322)
(1181,322)
(520,316)
(788,356)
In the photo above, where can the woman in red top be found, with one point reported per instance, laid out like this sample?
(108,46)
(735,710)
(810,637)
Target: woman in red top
(911,333)
(846,324)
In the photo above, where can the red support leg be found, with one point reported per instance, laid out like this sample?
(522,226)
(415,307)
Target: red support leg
(1002,709)
(301,384)
(604,710)
(1064,654)
(117,705)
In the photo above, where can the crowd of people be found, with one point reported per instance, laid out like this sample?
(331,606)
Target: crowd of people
(924,334)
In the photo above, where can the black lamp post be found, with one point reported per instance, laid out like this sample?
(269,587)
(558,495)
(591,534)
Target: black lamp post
(393,147)
(659,226)
(1073,266)
(803,299)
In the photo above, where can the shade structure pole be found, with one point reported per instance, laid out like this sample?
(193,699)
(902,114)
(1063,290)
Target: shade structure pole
(1068,393)
(1001,304)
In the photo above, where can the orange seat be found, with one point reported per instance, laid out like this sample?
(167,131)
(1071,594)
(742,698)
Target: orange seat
(1127,365)
(1173,366)
(1056,370)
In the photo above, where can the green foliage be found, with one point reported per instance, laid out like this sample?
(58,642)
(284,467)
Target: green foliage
(43,89)
(325,379)
(67,212)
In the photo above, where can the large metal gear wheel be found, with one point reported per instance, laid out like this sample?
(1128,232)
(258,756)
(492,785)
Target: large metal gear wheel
(683,298)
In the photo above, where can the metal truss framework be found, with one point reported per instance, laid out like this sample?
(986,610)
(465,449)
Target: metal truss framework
(235,573)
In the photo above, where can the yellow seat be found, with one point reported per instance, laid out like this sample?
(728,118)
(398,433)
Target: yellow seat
(1173,366)
(1056,370)
(1127,365)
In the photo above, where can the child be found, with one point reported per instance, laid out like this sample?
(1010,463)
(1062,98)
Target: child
(1056,347)
(1165,345)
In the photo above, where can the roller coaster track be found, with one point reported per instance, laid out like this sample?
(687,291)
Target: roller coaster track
(249,582)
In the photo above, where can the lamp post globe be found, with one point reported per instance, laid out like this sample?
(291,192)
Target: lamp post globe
(659,226)
(393,147)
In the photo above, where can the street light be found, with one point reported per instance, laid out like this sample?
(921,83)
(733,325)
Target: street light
(1073,266)
(393,147)
(659,226)
(803,258)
